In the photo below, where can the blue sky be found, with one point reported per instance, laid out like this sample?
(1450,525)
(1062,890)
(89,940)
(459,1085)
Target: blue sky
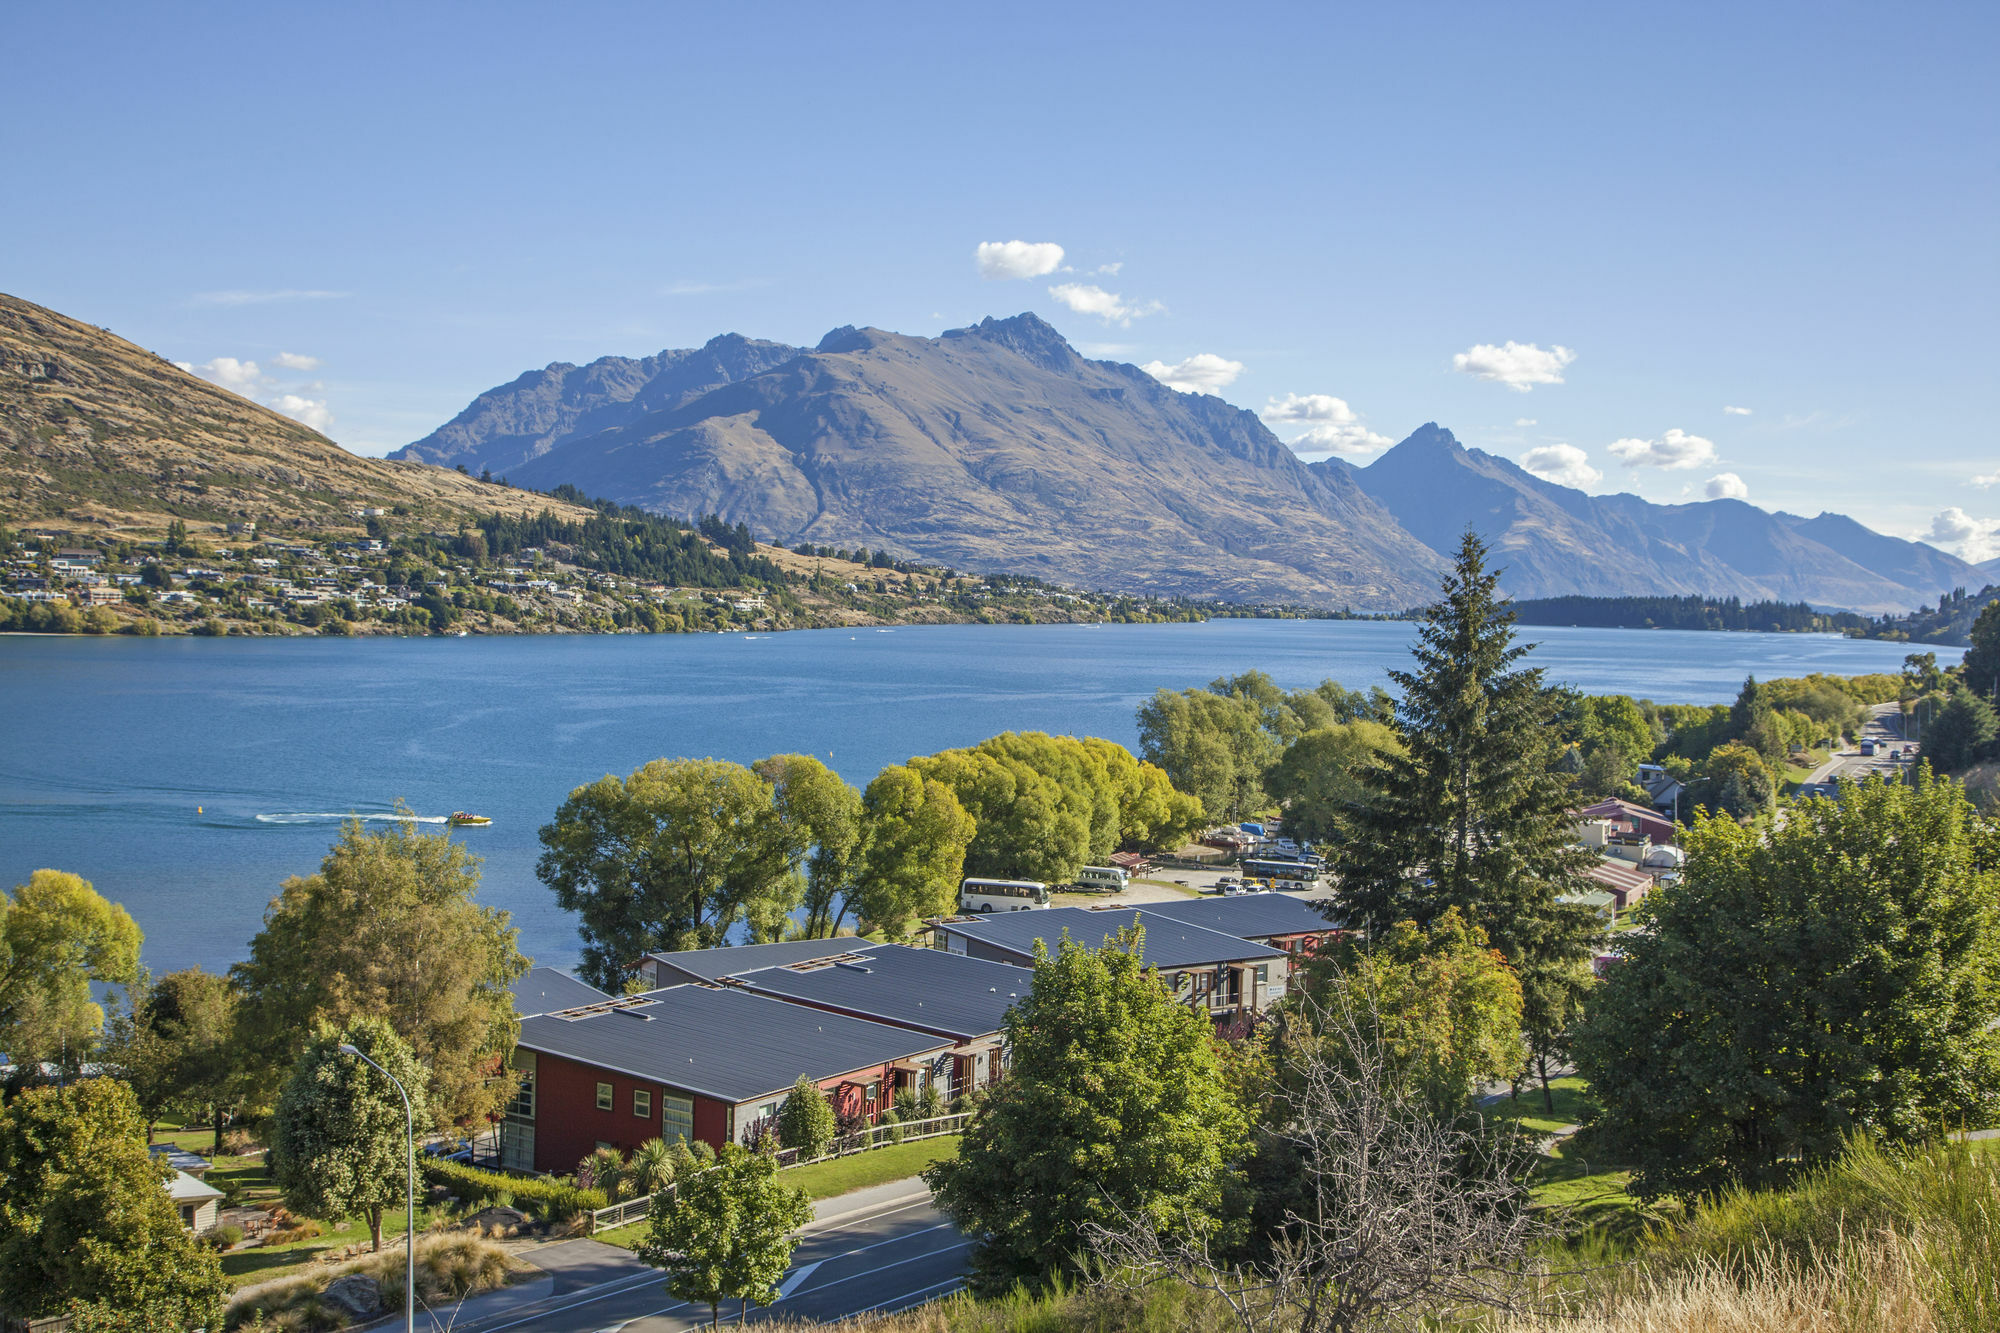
(1338,215)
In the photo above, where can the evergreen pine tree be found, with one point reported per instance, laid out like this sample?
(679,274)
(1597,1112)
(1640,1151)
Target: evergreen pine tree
(1962,733)
(1476,814)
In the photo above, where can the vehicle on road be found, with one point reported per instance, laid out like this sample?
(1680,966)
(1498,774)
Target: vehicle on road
(1002,895)
(1296,871)
(1868,749)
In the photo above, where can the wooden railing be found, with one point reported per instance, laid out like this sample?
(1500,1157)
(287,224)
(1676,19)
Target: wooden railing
(627,1211)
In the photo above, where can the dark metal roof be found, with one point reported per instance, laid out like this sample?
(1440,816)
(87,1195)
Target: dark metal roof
(708,964)
(544,989)
(926,988)
(725,1043)
(1169,943)
(1250,916)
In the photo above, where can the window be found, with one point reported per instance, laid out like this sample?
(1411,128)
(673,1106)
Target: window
(642,1103)
(523,1105)
(768,1111)
(868,1093)
(676,1118)
(604,1096)
(187,1216)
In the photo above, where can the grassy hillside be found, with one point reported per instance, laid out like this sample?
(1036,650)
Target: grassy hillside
(99,436)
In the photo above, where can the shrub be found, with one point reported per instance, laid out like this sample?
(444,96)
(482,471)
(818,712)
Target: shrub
(543,1197)
(806,1121)
(224,1236)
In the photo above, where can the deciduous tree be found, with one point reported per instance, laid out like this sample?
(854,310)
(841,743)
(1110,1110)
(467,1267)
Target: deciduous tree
(390,927)
(339,1147)
(913,852)
(728,1232)
(670,857)
(1320,777)
(84,1212)
(819,816)
(1834,974)
(174,1045)
(58,938)
(1115,1106)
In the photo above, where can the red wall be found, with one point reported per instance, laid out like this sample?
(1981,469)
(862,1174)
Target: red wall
(568,1124)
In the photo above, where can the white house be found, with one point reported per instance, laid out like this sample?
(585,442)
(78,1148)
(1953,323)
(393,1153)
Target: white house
(199,1202)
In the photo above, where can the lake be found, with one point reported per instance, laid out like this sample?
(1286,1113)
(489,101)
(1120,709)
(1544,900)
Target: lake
(188,777)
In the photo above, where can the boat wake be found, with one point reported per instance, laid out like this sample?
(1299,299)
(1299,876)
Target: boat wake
(365,818)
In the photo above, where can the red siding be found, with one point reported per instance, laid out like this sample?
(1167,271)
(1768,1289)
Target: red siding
(568,1124)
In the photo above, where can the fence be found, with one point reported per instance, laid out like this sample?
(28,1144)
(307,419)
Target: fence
(847,1145)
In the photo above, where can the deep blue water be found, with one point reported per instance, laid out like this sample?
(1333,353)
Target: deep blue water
(109,745)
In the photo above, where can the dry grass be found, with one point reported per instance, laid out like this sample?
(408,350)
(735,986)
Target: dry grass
(450,1267)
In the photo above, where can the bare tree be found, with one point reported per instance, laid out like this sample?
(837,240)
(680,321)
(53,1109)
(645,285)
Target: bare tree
(1399,1214)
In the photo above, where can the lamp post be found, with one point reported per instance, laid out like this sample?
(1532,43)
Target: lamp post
(410,1197)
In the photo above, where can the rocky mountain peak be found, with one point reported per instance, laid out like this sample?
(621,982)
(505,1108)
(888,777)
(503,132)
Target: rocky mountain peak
(1027,335)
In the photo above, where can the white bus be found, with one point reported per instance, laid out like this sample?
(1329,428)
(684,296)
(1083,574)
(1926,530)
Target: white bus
(1110,879)
(1001,895)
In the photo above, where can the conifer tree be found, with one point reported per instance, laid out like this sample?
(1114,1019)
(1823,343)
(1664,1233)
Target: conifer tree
(1475,814)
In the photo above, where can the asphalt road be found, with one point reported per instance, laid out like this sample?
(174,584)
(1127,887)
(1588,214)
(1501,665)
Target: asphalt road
(1884,728)
(878,1250)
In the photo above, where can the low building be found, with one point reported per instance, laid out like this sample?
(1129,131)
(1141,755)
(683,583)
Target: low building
(1223,975)
(198,1202)
(1279,920)
(959,998)
(543,990)
(684,965)
(1625,884)
(1628,820)
(692,1062)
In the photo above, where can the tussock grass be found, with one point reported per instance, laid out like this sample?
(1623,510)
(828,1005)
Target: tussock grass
(450,1267)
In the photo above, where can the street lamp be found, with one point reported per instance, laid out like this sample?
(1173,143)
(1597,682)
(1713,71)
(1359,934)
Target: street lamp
(410,1197)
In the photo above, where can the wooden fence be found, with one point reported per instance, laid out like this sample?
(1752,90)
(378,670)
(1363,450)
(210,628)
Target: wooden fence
(627,1211)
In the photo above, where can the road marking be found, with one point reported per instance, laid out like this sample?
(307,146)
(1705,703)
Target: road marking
(941,1288)
(838,1220)
(915,1258)
(623,1286)
(893,1240)
(791,1284)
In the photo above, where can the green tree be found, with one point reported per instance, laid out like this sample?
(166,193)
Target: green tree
(671,857)
(806,1122)
(1737,782)
(1446,1006)
(1213,746)
(339,1147)
(1961,734)
(727,1233)
(58,938)
(1980,669)
(1834,974)
(820,817)
(174,1046)
(390,927)
(1475,813)
(1115,1106)
(1152,815)
(1023,827)
(913,852)
(84,1212)
(1321,777)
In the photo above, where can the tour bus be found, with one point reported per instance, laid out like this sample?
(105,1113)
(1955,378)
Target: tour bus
(1109,879)
(1001,895)
(1281,871)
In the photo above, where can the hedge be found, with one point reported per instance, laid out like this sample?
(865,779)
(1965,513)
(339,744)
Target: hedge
(545,1197)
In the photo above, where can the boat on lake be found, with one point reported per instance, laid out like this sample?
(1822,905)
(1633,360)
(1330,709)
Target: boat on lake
(462,818)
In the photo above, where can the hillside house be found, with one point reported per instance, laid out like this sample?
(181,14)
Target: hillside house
(692,1062)
(198,1202)
(1227,977)
(1626,818)
(1626,884)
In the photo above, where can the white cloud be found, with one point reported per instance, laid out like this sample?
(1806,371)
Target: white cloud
(1562,464)
(1308,407)
(242,297)
(1676,450)
(1727,486)
(1974,538)
(236,376)
(1088,299)
(1110,270)
(293,361)
(1017,259)
(1525,421)
(1204,372)
(1345,437)
(1519,366)
(1736,411)
(307,411)
(1985,479)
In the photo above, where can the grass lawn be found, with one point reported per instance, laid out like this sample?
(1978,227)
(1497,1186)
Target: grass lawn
(1531,1112)
(1592,1204)
(843,1175)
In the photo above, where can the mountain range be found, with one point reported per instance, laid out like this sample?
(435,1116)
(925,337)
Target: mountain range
(999,448)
